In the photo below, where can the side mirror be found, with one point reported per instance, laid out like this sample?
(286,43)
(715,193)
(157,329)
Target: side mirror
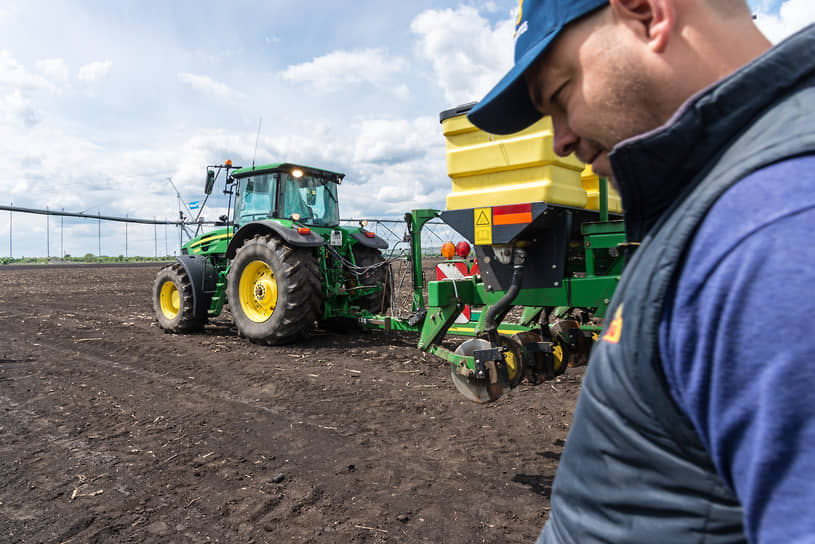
(210,182)
(311,197)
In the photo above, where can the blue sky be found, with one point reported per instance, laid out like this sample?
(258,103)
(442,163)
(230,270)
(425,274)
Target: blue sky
(101,102)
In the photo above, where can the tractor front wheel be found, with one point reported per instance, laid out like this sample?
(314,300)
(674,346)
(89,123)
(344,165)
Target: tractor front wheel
(173,301)
(273,290)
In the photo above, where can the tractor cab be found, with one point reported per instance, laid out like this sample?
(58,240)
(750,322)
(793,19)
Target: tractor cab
(287,191)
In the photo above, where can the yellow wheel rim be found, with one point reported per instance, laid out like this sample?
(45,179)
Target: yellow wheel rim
(512,363)
(557,355)
(257,291)
(170,300)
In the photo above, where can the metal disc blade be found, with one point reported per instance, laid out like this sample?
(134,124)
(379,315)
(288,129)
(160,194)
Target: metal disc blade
(479,391)
(474,390)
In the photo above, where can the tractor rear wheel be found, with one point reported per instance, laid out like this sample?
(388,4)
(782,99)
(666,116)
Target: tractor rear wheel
(372,270)
(273,290)
(173,301)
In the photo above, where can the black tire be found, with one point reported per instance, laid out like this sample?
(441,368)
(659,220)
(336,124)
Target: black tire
(173,301)
(280,297)
(373,270)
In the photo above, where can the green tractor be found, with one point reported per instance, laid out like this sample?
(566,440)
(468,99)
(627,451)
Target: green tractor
(280,259)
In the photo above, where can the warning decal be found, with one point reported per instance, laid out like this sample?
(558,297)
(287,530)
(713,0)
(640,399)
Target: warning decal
(514,214)
(482,221)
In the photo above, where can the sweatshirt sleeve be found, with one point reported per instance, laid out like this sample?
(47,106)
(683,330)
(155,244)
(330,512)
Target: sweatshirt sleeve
(738,346)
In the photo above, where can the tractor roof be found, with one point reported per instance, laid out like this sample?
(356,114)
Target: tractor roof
(288,167)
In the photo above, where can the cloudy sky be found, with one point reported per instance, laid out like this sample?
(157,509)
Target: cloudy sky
(101,102)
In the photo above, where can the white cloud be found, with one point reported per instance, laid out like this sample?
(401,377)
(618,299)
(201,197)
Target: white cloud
(793,15)
(390,141)
(94,71)
(398,165)
(15,76)
(54,69)
(17,109)
(390,190)
(467,54)
(55,169)
(339,70)
(17,87)
(401,91)
(207,85)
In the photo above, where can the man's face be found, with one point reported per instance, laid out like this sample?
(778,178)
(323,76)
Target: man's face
(594,83)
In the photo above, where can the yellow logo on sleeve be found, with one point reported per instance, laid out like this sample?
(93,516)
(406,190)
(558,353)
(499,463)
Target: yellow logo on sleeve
(615,328)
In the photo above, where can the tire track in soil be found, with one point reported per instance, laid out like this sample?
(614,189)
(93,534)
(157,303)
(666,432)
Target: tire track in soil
(198,400)
(192,431)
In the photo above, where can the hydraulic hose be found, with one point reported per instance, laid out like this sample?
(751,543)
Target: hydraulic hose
(490,323)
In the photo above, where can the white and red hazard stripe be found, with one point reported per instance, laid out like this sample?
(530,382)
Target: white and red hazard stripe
(455,270)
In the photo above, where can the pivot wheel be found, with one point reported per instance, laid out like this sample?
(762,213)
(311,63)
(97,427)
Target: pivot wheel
(373,271)
(273,290)
(173,301)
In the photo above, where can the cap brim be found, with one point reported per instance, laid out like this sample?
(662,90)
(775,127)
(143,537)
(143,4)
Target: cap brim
(507,108)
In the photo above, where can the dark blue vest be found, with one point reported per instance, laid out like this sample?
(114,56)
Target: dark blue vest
(634,469)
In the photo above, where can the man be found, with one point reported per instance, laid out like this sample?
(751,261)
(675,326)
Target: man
(696,418)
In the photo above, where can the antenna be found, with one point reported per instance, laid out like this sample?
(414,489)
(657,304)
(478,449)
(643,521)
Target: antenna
(257,139)
(181,204)
(178,196)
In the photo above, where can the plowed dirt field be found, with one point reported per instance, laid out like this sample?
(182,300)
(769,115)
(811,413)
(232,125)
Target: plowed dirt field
(113,431)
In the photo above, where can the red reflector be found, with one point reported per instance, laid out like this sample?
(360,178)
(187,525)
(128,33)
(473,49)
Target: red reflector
(303,230)
(512,208)
(370,234)
(512,214)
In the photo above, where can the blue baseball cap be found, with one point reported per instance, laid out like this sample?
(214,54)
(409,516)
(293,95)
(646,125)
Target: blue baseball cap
(507,108)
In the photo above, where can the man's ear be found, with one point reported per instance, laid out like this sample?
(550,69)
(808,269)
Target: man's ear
(652,19)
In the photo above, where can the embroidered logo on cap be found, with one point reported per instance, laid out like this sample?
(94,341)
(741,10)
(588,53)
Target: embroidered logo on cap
(520,28)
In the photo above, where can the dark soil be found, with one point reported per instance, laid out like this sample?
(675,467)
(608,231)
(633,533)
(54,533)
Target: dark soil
(113,431)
